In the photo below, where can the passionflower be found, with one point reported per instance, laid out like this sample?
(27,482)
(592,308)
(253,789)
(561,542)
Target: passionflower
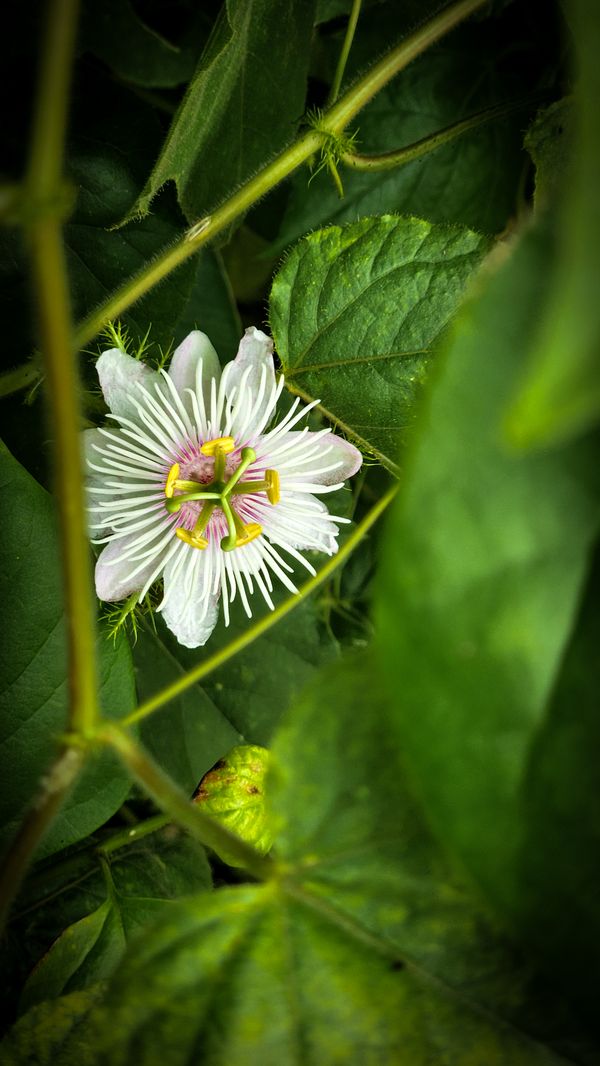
(194,485)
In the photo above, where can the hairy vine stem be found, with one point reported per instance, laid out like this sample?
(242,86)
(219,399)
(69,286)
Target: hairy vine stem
(44,184)
(400,156)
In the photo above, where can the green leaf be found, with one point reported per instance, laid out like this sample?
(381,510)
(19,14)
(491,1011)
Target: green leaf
(348,822)
(35,1039)
(108,170)
(550,142)
(365,952)
(242,105)
(561,814)
(114,32)
(66,957)
(239,703)
(33,672)
(472,182)
(355,313)
(75,927)
(559,394)
(211,307)
(483,565)
(233,794)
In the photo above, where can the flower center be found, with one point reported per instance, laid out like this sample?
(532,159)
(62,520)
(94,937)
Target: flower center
(216,493)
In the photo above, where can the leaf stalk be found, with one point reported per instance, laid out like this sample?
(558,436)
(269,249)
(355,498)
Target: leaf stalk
(345,52)
(400,156)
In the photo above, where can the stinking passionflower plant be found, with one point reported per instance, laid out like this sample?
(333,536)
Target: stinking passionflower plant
(193,485)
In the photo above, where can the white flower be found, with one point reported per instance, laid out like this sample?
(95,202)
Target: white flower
(195,487)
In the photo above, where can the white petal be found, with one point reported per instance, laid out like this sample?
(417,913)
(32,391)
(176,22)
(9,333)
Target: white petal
(303,523)
(189,613)
(255,356)
(196,349)
(114,580)
(120,377)
(92,439)
(321,460)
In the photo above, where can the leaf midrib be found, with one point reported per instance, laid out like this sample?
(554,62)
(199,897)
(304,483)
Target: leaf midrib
(306,368)
(357,932)
(413,263)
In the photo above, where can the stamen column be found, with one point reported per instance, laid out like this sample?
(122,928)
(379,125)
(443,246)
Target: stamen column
(216,494)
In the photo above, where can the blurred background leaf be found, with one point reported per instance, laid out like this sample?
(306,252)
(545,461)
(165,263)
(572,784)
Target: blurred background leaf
(94,916)
(550,141)
(128,37)
(45,1028)
(484,563)
(561,815)
(559,395)
(33,672)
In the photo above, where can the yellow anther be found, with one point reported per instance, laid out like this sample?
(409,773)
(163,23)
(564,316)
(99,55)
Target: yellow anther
(195,540)
(251,531)
(273,486)
(171,479)
(223,444)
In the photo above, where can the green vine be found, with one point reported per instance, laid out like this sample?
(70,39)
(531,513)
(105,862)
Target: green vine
(335,146)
